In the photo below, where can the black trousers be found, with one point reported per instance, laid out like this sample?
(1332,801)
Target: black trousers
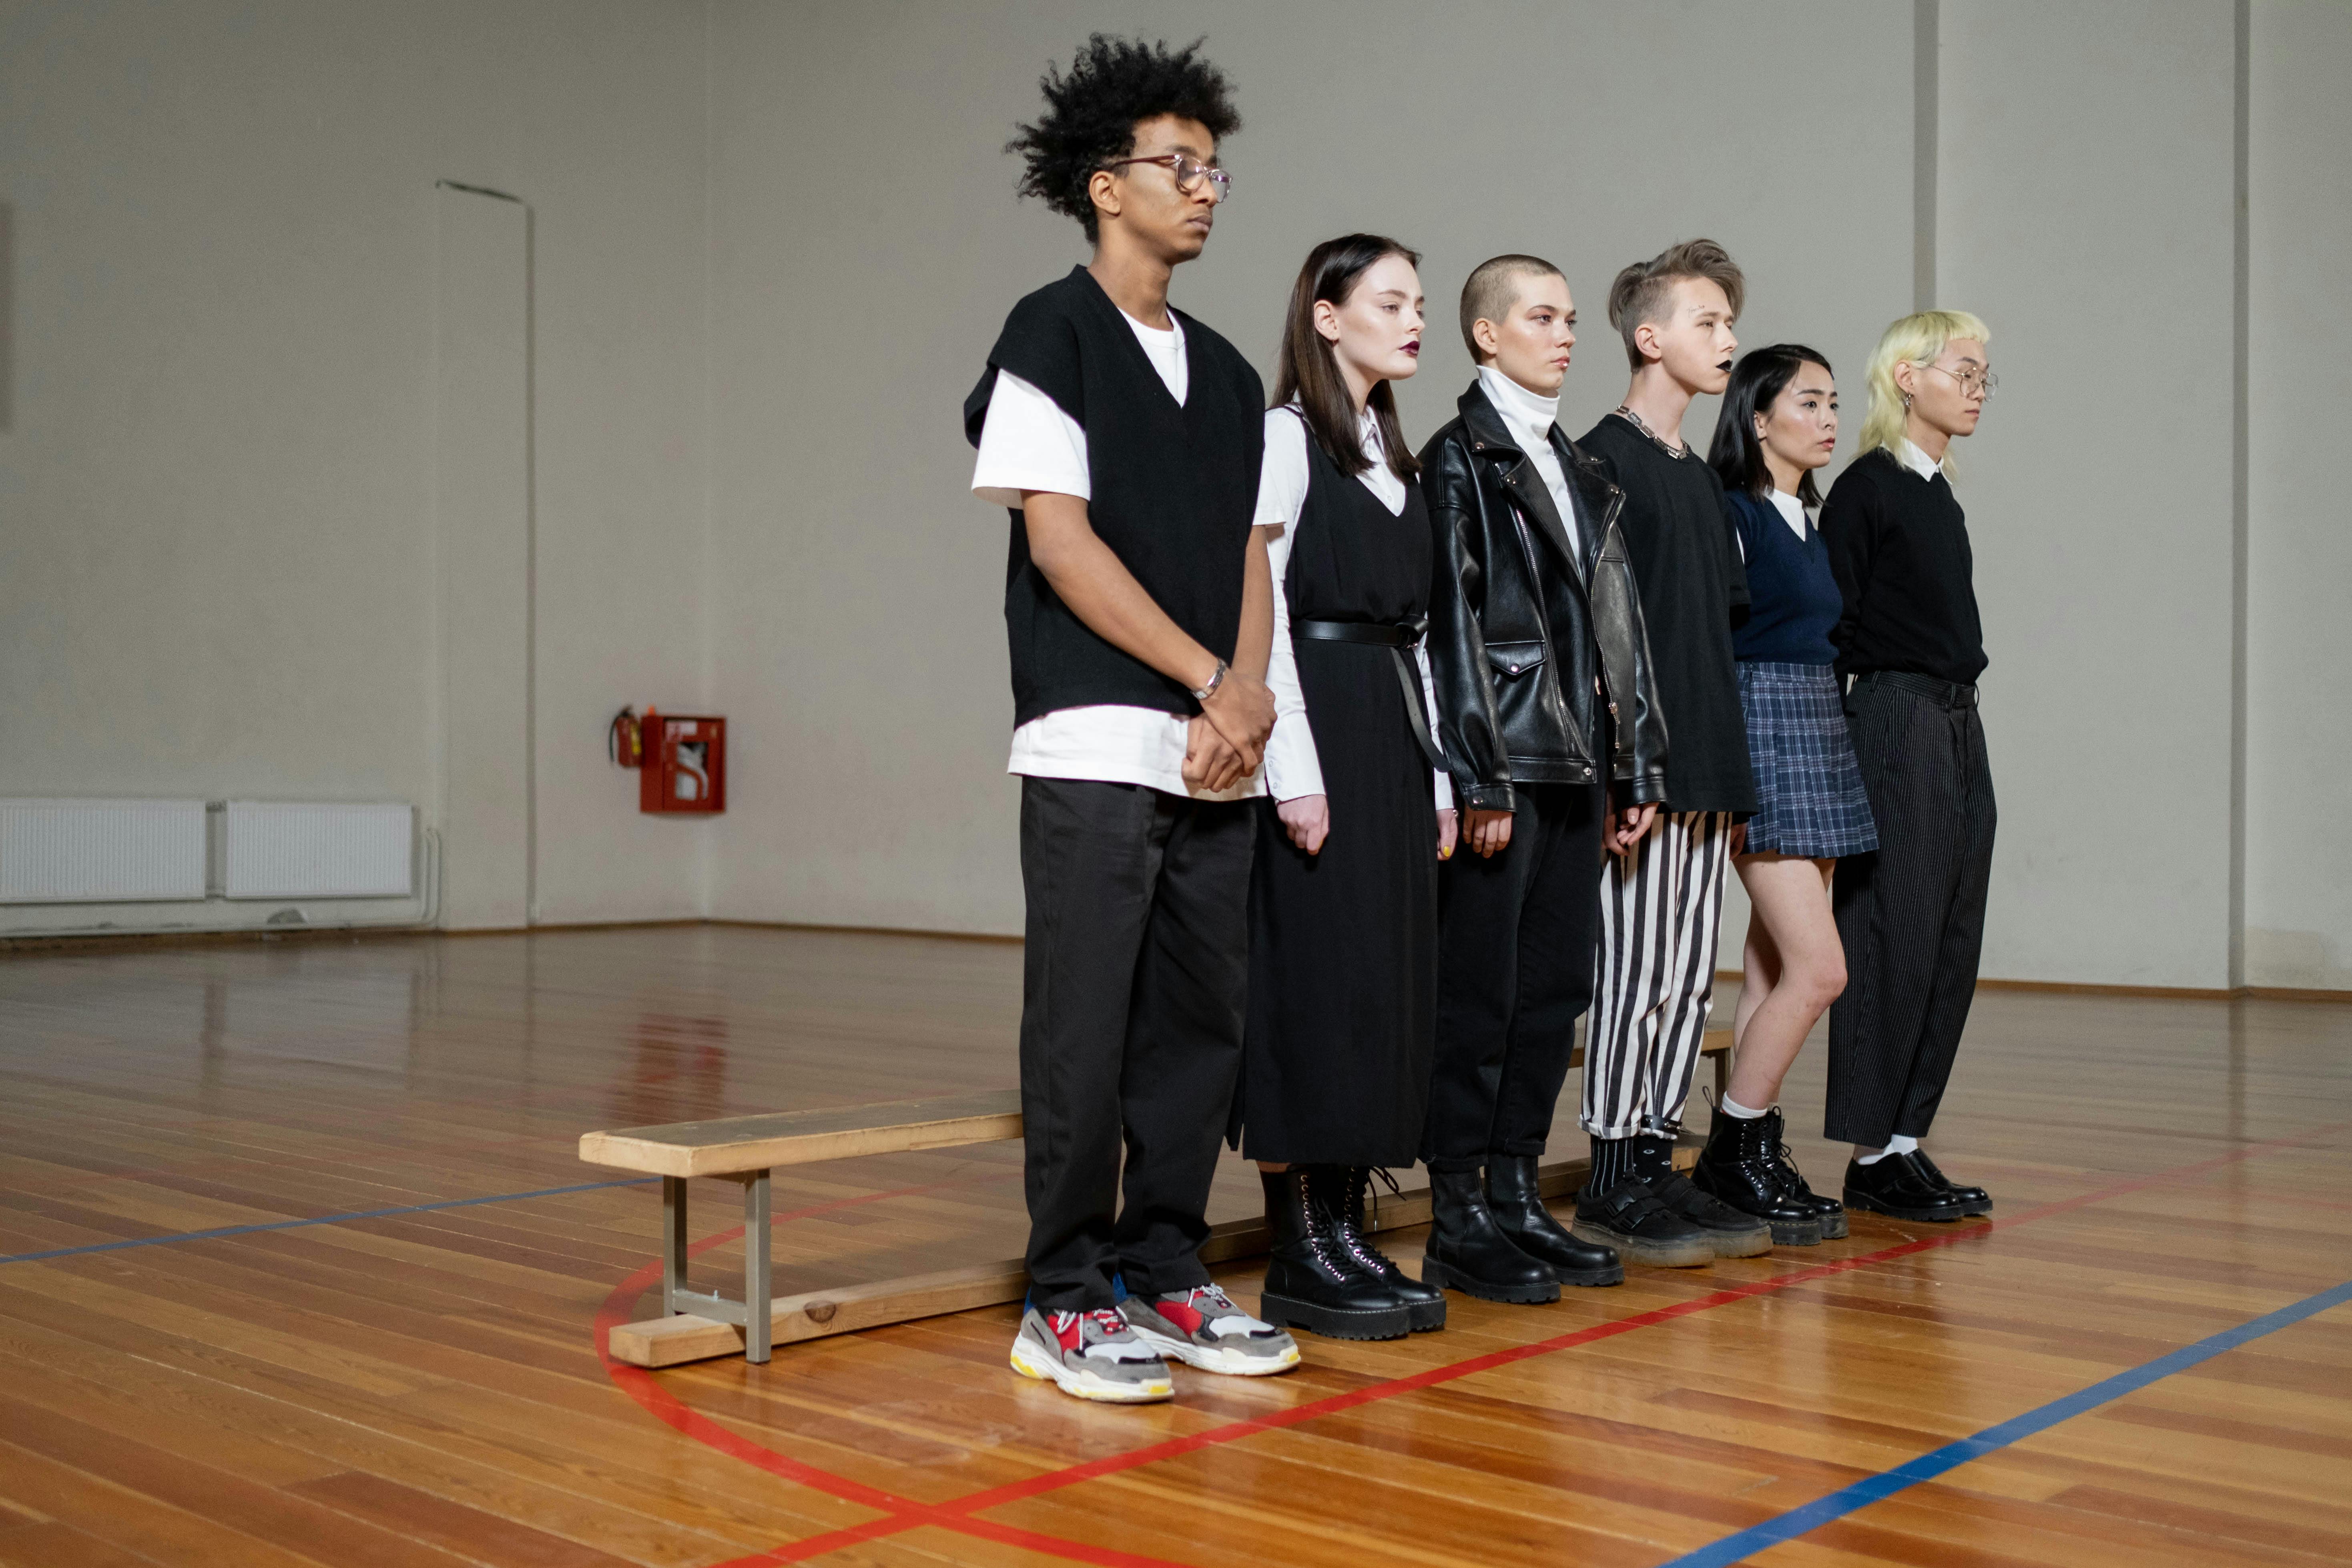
(1132,991)
(1515,939)
(1911,915)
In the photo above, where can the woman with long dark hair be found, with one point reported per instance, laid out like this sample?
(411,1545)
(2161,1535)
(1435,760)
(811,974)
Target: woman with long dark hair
(1779,423)
(1343,903)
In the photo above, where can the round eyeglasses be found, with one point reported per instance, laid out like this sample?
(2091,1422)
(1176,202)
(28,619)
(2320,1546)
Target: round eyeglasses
(1973,382)
(1189,172)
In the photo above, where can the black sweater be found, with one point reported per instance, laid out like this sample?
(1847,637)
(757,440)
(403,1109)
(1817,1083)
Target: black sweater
(1174,489)
(1687,564)
(1899,546)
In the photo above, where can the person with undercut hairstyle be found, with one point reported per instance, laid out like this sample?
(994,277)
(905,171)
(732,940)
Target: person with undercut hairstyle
(1550,724)
(1662,898)
(1125,437)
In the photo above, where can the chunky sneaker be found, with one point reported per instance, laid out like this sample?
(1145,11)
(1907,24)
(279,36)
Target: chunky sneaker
(1202,1327)
(1631,1222)
(1093,1356)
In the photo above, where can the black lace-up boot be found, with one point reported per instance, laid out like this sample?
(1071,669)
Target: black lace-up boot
(1514,1199)
(1828,1210)
(1345,1202)
(1740,1166)
(1731,1233)
(1468,1252)
(1311,1282)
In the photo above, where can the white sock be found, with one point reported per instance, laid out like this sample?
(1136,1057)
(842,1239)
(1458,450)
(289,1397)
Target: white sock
(1733,1108)
(1902,1143)
(1872,1158)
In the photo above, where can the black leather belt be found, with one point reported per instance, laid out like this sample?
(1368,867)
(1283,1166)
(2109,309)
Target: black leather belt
(1395,637)
(1949,693)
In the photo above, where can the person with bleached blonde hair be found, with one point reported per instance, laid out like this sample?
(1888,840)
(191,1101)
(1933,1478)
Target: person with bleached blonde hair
(1911,914)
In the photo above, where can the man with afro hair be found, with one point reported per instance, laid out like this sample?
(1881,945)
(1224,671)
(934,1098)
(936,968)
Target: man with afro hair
(1124,436)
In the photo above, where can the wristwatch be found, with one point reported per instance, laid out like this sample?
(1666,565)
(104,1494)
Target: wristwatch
(1214,682)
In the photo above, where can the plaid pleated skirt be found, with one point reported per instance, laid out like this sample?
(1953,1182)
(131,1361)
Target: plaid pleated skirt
(1809,794)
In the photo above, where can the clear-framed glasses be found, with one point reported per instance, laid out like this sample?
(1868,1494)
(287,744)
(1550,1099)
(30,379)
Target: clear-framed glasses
(1973,382)
(1189,172)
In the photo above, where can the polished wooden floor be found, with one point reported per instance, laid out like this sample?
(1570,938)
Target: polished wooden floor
(425,1387)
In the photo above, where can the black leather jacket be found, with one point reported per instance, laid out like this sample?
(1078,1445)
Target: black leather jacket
(1531,661)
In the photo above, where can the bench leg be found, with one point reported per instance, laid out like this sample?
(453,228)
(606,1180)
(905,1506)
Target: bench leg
(757,1288)
(673,1242)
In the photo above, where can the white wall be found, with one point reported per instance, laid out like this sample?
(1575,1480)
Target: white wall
(216,573)
(867,244)
(2299,642)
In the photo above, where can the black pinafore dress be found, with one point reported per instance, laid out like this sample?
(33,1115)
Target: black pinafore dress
(1343,945)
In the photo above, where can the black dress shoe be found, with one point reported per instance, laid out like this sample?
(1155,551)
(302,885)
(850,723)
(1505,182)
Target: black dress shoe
(1741,1168)
(1635,1225)
(1895,1184)
(1828,1210)
(1468,1252)
(1311,1282)
(1517,1202)
(1346,1204)
(1731,1233)
(1976,1200)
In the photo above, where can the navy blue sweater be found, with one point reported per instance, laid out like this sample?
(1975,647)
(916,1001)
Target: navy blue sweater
(1792,595)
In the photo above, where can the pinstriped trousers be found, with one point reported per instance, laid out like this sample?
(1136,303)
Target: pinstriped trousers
(1660,908)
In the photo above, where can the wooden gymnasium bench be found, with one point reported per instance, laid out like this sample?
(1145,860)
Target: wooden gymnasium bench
(696,1325)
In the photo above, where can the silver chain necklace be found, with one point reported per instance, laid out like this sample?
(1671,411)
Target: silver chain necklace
(1638,423)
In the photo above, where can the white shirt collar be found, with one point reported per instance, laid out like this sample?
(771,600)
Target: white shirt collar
(1527,414)
(1918,461)
(1791,511)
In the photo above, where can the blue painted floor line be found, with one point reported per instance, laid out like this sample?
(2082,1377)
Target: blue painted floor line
(1797,1522)
(322,1219)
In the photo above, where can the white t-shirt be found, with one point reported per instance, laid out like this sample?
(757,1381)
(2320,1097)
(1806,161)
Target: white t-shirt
(1029,443)
(1292,768)
(1529,416)
(1791,511)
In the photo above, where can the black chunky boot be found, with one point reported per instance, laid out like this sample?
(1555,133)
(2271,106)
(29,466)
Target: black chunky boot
(1895,1184)
(1468,1252)
(1740,1166)
(1426,1301)
(1974,1200)
(1731,1233)
(1515,1200)
(1311,1283)
(1828,1210)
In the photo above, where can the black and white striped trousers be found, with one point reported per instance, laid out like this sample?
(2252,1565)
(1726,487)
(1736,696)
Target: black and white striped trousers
(1660,908)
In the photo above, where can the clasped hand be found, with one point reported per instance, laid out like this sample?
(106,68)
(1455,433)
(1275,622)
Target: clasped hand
(1226,741)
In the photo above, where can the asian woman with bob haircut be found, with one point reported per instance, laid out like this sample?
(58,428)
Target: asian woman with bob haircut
(1778,423)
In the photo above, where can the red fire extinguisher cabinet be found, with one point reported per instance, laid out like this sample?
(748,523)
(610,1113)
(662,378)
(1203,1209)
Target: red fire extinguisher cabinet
(685,767)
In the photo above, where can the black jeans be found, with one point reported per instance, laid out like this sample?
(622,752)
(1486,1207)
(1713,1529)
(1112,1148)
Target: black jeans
(1516,942)
(1911,915)
(1132,994)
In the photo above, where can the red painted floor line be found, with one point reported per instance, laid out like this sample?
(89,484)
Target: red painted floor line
(904,1514)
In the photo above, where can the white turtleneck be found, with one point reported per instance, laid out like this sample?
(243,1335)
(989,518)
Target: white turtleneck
(1529,416)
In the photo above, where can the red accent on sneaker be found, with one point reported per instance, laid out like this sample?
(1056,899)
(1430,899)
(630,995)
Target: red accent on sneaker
(1179,1311)
(1065,1326)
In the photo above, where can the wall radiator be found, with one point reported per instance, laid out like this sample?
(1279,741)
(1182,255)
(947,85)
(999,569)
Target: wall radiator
(94,851)
(304,849)
(167,851)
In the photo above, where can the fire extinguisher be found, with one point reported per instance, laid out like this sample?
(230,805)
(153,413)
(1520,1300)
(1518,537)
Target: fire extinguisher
(624,741)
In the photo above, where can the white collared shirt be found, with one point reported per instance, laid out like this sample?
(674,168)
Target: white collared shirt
(1530,416)
(1918,461)
(1292,767)
(1030,443)
(1791,511)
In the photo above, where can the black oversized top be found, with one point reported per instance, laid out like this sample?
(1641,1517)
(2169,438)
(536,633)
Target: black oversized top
(1687,561)
(1899,547)
(1174,489)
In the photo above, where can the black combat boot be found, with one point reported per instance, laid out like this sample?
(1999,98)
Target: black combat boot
(1348,1182)
(1895,1184)
(1731,1233)
(1828,1210)
(1311,1283)
(1740,1166)
(1467,1251)
(1975,1200)
(1517,1205)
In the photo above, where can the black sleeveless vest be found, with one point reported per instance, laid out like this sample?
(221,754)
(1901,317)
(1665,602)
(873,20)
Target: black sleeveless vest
(1174,491)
